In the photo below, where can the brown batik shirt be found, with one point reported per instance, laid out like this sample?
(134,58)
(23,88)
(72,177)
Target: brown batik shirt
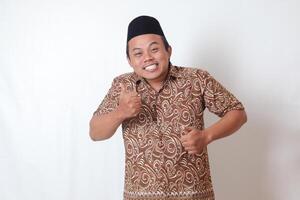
(157,166)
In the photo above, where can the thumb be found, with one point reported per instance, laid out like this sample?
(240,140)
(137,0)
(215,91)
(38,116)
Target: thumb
(188,128)
(123,89)
(136,91)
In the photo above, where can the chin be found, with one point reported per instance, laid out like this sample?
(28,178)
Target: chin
(151,76)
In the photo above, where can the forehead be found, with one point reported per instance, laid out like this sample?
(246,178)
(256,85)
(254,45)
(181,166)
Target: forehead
(144,41)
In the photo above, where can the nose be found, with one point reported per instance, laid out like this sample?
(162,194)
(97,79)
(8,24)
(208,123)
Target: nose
(148,57)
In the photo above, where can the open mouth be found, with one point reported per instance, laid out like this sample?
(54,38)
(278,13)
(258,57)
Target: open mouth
(151,68)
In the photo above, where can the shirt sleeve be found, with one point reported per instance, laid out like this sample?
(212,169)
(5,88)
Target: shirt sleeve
(216,97)
(111,99)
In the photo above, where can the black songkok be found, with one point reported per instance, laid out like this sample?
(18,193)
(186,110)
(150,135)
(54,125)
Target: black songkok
(144,25)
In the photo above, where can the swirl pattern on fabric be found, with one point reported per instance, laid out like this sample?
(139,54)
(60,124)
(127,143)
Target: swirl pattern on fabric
(157,166)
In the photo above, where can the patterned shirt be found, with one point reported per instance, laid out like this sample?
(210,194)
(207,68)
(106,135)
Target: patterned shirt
(157,166)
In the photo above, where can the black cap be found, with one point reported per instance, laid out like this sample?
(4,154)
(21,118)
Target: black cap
(143,25)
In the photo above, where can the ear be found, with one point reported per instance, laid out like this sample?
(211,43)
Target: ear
(170,51)
(129,61)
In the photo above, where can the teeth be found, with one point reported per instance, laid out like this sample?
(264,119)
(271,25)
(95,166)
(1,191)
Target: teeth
(151,67)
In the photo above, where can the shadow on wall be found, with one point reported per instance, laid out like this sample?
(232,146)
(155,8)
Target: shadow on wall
(239,163)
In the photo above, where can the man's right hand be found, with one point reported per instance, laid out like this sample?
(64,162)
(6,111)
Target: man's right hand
(130,103)
(104,126)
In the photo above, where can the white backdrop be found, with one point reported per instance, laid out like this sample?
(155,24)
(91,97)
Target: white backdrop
(58,58)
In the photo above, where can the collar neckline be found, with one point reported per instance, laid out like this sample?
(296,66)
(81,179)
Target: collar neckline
(173,73)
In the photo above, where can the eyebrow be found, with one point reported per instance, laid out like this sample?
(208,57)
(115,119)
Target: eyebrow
(134,49)
(152,43)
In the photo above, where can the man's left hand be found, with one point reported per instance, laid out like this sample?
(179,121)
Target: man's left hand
(194,140)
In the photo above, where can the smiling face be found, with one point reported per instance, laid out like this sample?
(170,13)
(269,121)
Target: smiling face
(149,58)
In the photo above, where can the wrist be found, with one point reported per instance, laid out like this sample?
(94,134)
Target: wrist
(208,136)
(120,114)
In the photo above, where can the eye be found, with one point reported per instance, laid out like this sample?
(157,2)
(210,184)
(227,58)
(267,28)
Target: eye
(154,49)
(137,54)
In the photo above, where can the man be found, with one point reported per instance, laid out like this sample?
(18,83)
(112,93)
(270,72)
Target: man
(160,107)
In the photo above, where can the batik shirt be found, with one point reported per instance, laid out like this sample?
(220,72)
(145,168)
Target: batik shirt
(157,166)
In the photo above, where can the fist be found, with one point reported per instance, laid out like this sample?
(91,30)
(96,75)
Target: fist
(194,140)
(130,103)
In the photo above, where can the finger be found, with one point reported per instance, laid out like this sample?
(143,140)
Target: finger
(188,128)
(135,88)
(186,144)
(186,131)
(123,89)
(129,88)
(192,152)
(139,104)
(188,149)
(186,134)
(183,138)
(134,94)
(135,91)
(136,107)
(136,100)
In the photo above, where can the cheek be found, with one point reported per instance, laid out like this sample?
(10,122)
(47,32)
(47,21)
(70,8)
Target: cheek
(163,57)
(135,63)
(137,67)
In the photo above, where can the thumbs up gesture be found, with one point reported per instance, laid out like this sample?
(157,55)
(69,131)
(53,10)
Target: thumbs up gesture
(130,103)
(194,140)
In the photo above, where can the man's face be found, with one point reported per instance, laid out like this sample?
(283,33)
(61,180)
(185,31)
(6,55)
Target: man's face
(149,57)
